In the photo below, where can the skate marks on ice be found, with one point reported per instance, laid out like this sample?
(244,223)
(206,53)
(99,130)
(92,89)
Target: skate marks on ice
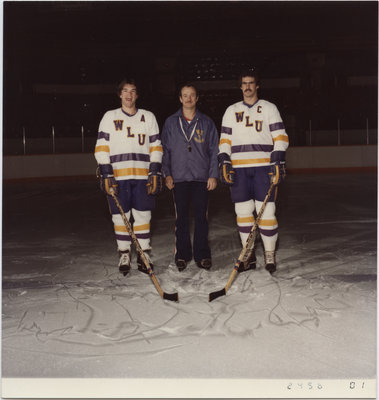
(67,312)
(113,315)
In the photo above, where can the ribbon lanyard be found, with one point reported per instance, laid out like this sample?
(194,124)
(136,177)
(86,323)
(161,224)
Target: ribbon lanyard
(185,136)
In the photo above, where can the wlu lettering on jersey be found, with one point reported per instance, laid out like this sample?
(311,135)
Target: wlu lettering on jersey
(258,124)
(141,136)
(239,116)
(118,123)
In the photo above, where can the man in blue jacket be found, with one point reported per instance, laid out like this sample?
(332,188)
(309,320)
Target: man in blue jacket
(189,164)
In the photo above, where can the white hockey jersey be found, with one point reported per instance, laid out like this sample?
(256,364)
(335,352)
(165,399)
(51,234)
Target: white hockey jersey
(129,143)
(249,134)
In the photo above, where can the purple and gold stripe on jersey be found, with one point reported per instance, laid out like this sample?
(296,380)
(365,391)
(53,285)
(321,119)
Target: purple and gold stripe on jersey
(156,148)
(252,147)
(102,148)
(251,154)
(276,127)
(103,135)
(226,130)
(154,138)
(130,172)
(129,157)
(250,161)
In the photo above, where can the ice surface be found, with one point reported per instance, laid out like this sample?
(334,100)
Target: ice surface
(67,312)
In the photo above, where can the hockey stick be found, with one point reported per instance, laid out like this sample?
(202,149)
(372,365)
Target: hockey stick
(166,296)
(246,250)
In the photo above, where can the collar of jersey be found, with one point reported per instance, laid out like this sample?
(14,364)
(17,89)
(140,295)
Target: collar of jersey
(250,105)
(129,115)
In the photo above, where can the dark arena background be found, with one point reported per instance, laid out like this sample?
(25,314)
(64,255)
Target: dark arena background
(62,61)
(310,329)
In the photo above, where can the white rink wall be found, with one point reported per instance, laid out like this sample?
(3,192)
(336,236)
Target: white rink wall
(84,164)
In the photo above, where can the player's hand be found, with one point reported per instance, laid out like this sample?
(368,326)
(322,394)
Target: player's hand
(226,171)
(108,183)
(154,183)
(277,172)
(170,182)
(212,183)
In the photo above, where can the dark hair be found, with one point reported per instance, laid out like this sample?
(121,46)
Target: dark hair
(126,81)
(187,85)
(250,72)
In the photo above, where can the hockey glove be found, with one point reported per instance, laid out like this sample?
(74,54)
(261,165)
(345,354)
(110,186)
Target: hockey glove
(108,183)
(154,179)
(277,172)
(226,171)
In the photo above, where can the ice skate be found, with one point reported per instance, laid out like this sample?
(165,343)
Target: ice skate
(251,263)
(141,265)
(270,263)
(124,263)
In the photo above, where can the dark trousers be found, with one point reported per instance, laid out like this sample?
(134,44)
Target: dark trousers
(185,194)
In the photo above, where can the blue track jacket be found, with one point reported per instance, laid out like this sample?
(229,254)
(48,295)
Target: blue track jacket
(201,137)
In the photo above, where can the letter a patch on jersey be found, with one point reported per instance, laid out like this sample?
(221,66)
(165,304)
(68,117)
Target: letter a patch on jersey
(118,124)
(239,116)
(143,118)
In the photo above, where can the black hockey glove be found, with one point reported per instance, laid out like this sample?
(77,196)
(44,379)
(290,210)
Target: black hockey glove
(226,171)
(108,183)
(277,172)
(154,179)
(277,167)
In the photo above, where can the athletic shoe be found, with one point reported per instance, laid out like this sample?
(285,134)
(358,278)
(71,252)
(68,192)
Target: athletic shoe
(181,264)
(205,263)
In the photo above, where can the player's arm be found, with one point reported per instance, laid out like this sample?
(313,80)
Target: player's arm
(155,180)
(102,154)
(226,171)
(281,142)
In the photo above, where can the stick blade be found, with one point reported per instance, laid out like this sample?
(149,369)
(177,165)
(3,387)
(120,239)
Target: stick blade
(218,293)
(171,296)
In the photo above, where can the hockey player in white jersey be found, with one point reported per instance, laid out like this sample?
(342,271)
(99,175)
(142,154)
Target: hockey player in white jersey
(252,150)
(129,156)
